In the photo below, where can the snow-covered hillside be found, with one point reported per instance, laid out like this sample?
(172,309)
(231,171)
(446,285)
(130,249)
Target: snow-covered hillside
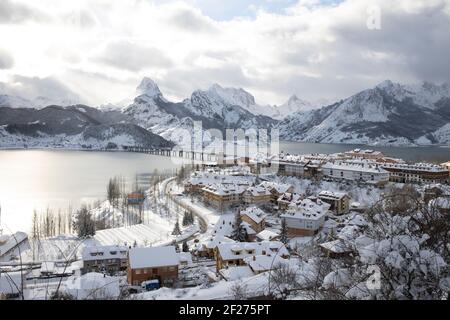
(71,127)
(389,114)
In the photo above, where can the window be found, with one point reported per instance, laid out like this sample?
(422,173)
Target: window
(138,271)
(155,270)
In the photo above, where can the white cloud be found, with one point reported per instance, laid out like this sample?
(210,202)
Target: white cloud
(314,49)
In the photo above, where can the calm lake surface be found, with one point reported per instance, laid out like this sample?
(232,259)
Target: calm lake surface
(40,179)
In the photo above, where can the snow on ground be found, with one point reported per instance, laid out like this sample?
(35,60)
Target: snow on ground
(59,248)
(254,286)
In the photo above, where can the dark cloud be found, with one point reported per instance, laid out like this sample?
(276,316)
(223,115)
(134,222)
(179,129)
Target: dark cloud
(6,60)
(133,57)
(32,87)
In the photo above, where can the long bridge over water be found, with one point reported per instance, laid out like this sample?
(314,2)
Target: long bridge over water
(178,153)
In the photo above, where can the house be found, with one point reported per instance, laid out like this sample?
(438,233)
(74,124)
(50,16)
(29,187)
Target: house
(106,259)
(416,173)
(135,198)
(234,254)
(365,154)
(255,217)
(305,218)
(223,196)
(287,198)
(339,201)
(207,249)
(277,189)
(363,171)
(336,249)
(446,165)
(153,263)
(290,165)
(257,195)
(267,235)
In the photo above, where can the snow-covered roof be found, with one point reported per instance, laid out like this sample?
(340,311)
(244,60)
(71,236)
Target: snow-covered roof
(241,250)
(330,195)
(310,208)
(267,235)
(265,262)
(254,213)
(90,253)
(279,187)
(353,166)
(420,167)
(336,246)
(290,197)
(225,189)
(152,257)
(256,191)
(215,241)
(205,178)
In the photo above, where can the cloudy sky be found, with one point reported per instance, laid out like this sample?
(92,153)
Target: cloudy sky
(98,50)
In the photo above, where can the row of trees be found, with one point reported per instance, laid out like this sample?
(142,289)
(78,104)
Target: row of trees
(50,223)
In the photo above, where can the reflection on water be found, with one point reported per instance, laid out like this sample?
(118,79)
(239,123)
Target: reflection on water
(36,179)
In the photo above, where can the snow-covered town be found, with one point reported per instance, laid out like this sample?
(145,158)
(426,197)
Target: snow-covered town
(351,225)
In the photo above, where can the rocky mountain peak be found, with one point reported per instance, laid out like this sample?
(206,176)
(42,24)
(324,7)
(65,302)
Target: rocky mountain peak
(149,88)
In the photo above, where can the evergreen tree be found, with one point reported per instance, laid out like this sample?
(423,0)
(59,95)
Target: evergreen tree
(176,230)
(84,224)
(185,247)
(239,233)
(185,221)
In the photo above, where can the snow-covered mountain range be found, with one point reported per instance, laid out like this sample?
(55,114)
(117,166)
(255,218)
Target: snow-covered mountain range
(388,114)
(77,127)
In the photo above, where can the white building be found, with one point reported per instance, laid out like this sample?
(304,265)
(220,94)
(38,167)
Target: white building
(234,254)
(110,259)
(363,171)
(305,218)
